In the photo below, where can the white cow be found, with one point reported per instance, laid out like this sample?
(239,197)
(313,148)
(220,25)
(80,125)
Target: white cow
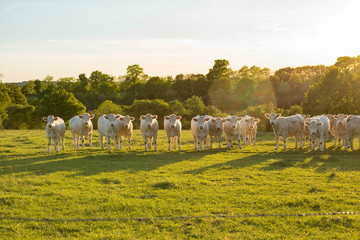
(172,127)
(319,131)
(200,131)
(232,130)
(125,128)
(149,127)
(55,129)
(341,128)
(81,126)
(287,126)
(108,129)
(352,128)
(216,129)
(333,120)
(248,129)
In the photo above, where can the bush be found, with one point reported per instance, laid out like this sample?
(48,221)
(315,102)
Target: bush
(19,116)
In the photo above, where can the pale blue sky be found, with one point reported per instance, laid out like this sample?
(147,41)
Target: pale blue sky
(65,38)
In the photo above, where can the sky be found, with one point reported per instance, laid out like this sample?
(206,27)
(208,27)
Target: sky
(64,38)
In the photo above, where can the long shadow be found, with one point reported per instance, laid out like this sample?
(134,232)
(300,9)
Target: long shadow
(94,162)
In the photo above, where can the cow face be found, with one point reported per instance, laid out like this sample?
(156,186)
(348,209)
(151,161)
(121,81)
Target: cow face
(111,118)
(272,117)
(341,120)
(252,122)
(50,121)
(313,127)
(149,119)
(233,120)
(201,120)
(126,120)
(172,119)
(86,118)
(218,122)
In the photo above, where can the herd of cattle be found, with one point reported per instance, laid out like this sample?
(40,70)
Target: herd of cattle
(205,128)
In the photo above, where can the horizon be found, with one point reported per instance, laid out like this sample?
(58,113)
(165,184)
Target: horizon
(166,38)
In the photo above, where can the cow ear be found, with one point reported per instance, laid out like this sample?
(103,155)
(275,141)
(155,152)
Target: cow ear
(117,116)
(207,119)
(178,117)
(278,115)
(132,118)
(308,116)
(106,116)
(246,120)
(92,116)
(228,119)
(307,123)
(195,119)
(267,115)
(319,123)
(166,117)
(345,116)
(239,118)
(45,119)
(55,119)
(223,119)
(141,117)
(121,118)
(155,116)
(80,116)
(257,120)
(213,120)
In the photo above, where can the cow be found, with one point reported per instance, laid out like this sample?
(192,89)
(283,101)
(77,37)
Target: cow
(319,131)
(216,129)
(172,127)
(340,130)
(352,128)
(149,127)
(108,129)
(55,129)
(81,126)
(287,126)
(125,128)
(200,131)
(333,120)
(248,129)
(232,130)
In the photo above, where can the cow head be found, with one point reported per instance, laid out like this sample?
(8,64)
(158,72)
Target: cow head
(50,121)
(172,119)
(233,120)
(313,127)
(201,120)
(86,118)
(272,117)
(126,120)
(111,118)
(341,120)
(252,122)
(149,119)
(218,122)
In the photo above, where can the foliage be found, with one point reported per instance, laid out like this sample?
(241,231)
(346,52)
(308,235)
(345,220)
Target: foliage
(19,117)
(337,92)
(59,103)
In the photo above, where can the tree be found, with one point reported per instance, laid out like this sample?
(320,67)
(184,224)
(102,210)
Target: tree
(19,116)
(219,70)
(134,74)
(59,103)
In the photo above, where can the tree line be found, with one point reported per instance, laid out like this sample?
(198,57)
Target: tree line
(252,90)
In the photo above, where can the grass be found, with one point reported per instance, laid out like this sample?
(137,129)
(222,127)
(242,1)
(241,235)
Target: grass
(91,183)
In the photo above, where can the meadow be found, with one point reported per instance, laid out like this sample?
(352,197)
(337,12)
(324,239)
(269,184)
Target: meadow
(91,183)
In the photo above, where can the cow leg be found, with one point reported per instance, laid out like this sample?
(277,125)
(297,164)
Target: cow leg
(116,142)
(277,142)
(198,140)
(90,140)
(108,142)
(63,142)
(82,141)
(101,137)
(120,142)
(56,143)
(49,144)
(74,138)
(174,139)
(195,141)
(211,140)
(352,142)
(178,141)
(155,138)
(239,141)
(219,141)
(169,142)
(145,142)
(285,140)
(296,140)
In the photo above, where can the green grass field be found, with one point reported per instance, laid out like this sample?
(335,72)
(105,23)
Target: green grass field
(92,183)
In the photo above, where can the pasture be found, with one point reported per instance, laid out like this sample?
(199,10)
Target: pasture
(92,183)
